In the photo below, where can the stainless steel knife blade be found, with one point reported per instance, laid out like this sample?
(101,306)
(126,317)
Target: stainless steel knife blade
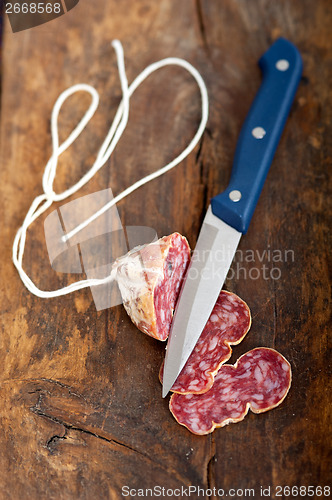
(212,257)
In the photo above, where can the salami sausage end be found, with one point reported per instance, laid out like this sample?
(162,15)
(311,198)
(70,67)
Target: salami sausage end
(149,280)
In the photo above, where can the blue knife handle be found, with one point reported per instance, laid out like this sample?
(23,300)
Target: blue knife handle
(281,67)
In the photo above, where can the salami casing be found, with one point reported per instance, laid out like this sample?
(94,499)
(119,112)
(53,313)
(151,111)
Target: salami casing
(149,280)
(259,380)
(228,324)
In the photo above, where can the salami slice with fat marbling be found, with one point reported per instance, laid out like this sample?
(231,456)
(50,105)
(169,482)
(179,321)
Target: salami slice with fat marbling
(259,380)
(228,324)
(149,279)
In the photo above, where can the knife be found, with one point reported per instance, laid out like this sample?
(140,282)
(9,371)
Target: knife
(230,212)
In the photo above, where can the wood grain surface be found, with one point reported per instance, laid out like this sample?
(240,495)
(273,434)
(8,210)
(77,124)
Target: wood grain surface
(80,401)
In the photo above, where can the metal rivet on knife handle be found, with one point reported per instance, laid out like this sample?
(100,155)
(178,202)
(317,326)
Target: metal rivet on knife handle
(282,65)
(258,132)
(235,195)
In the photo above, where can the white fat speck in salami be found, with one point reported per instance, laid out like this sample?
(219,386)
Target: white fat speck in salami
(149,280)
(232,393)
(228,324)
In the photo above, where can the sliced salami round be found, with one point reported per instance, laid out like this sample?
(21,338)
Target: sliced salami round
(259,380)
(149,280)
(228,324)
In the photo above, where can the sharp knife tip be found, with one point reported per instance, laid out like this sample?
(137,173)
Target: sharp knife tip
(169,381)
(164,393)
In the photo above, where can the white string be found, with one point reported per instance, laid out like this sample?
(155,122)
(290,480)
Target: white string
(42,202)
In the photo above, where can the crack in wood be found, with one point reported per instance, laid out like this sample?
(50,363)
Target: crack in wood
(199,151)
(201,24)
(52,443)
(37,411)
(65,386)
(210,468)
(275,312)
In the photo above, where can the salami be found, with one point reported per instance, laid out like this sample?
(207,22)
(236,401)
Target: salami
(149,280)
(228,324)
(259,380)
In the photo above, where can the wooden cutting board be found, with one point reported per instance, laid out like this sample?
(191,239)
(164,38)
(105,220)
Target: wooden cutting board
(80,401)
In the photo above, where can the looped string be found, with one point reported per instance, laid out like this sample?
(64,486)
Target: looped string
(42,202)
